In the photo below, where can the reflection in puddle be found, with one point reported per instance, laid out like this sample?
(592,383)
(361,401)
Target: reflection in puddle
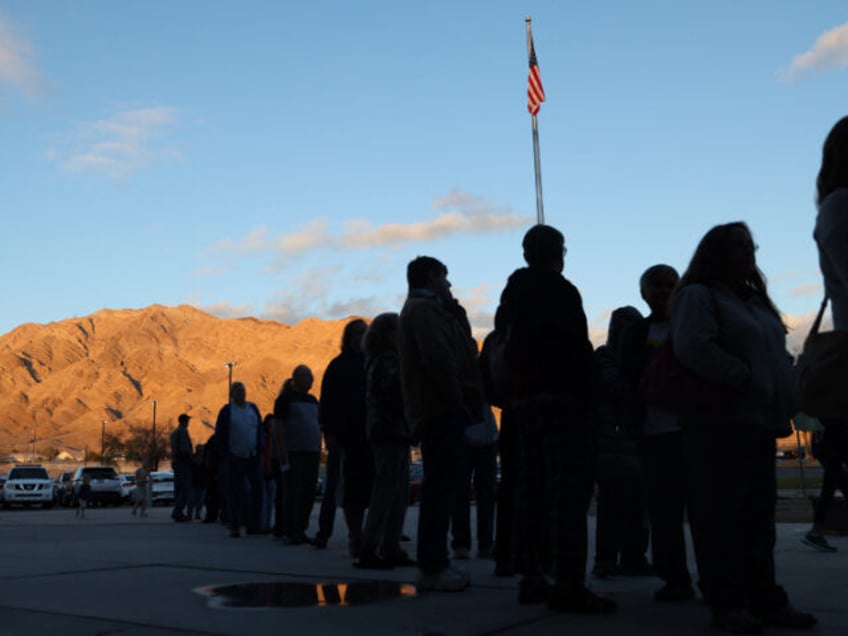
(270,594)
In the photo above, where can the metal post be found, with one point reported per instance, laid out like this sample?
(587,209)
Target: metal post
(537,162)
(155,459)
(103,443)
(230,365)
(801,462)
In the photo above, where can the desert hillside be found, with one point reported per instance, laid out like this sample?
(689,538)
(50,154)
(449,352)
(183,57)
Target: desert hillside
(60,381)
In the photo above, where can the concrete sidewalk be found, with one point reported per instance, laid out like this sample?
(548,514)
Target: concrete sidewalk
(115,574)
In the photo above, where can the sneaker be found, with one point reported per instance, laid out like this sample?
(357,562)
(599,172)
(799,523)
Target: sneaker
(319,542)
(817,541)
(582,601)
(671,593)
(447,580)
(400,560)
(461,553)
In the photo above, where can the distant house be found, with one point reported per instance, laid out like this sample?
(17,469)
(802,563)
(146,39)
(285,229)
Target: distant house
(65,456)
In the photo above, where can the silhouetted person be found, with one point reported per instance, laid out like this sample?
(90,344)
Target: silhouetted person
(182,454)
(831,235)
(341,413)
(662,442)
(239,436)
(296,410)
(727,331)
(550,361)
(443,394)
(830,447)
(621,530)
(212,464)
(389,437)
(199,483)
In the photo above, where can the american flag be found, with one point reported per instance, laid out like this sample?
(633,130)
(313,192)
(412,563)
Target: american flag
(535,92)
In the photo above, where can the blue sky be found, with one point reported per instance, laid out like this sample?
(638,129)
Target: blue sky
(286,160)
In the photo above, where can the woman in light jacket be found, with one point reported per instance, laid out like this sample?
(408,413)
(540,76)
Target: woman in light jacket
(727,331)
(831,235)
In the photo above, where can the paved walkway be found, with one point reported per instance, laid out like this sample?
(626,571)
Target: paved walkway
(114,574)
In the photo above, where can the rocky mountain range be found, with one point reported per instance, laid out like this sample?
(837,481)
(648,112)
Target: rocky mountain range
(59,382)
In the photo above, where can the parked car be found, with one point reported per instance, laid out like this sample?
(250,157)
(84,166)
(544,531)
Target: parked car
(790,453)
(63,488)
(105,485)
(161,487)
(28,484)
(3,479)
(127,487)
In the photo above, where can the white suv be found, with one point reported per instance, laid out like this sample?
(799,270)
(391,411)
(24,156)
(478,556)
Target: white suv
(104,481)
(28,485)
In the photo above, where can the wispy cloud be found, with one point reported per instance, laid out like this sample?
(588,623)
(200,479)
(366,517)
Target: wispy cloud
(830,51)
(462,214)
(120,145)
(17,65)
(226,310)
(809,289)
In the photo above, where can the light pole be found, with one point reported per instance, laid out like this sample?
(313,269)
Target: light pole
(230,365)
(103,443)
(154,459)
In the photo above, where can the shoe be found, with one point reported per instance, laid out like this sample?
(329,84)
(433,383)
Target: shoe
(789,617)
(485,553)
(817,541)
(583,601)
(447,580)
(405,538)
(533,589)
(181,518)
(674,592)
(234,533)
(603,570)
(737,621)
(255,531)
(368,560)
(319,542)
(461,554)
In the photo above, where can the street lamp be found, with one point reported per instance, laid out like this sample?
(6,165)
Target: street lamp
(230,365)
(155,458)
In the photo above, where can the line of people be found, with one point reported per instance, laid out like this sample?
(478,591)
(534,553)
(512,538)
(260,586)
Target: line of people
(574,421)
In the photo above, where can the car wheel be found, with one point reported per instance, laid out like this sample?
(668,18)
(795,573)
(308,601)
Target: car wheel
(6,505)
(48,506)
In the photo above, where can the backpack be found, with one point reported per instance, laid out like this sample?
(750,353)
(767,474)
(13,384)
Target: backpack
(497,379)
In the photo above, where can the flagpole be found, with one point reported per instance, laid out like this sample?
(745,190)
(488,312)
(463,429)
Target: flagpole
(537,163)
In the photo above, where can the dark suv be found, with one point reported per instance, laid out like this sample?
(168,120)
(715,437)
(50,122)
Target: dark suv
(104,481)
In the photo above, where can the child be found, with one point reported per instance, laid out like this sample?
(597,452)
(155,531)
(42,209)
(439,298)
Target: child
(83,496)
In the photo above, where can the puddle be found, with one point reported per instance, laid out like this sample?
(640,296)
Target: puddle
(271,594)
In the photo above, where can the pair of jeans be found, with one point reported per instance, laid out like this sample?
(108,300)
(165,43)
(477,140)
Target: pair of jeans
(182,486)
(244,491)
(442,448)
(480,469)
(389,496)
(734,524)
(299,483)
(666,468)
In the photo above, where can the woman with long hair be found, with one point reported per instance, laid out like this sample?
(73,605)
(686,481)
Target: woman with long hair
(727,331)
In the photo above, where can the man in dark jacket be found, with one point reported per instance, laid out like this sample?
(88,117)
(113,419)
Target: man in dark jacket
(549,357)
(181,461)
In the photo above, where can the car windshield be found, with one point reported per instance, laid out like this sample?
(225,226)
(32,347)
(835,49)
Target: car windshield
(100,473)
(28,473)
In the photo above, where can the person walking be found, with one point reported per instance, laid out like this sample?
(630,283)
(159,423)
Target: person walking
(141,497)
